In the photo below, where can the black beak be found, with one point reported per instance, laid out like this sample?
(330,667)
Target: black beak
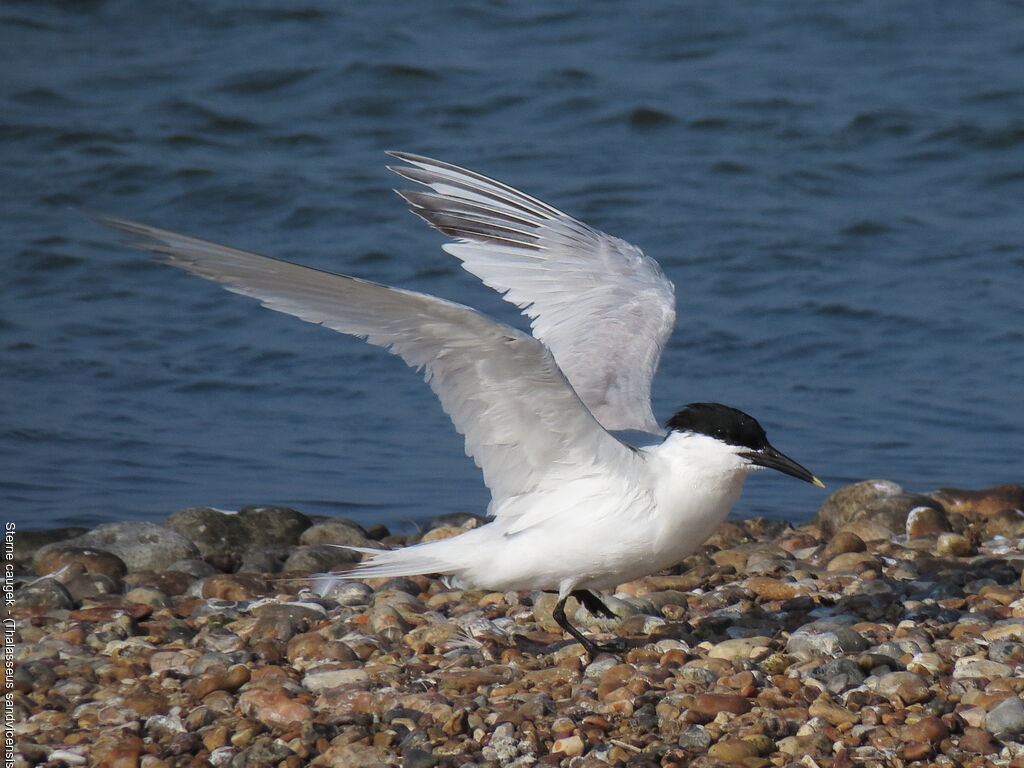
(772,459)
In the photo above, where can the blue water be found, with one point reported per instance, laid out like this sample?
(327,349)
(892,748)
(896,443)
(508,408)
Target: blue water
(837,190)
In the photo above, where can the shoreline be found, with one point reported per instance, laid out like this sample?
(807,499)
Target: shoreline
(889,631)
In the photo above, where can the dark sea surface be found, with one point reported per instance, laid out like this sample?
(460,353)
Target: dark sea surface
(837,190)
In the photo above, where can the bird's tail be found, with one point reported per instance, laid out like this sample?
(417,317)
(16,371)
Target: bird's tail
(432,557)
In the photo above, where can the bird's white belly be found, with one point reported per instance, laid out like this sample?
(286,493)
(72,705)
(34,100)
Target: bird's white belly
(606,537)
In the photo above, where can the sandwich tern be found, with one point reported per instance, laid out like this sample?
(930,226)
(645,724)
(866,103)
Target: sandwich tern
(587,490)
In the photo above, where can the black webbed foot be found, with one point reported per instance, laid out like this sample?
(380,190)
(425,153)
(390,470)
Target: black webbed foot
(596,606)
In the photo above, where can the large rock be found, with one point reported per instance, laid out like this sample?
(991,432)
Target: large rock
(882,501)
(984,503)
(273,525)
(141,546)
(210,529)
(337,531)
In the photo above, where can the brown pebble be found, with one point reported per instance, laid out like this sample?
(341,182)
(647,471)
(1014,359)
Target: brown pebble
(171,583)
(570,746)
(117,750)
(869,530)
(1006,522)
(235,586)
(953,545)
(134,611)
(468,680)
(613,678)
(273,708)
(732,750)
(983,503)
(220,679)
(710,704)
(798,541)
(930,730)
(926,521)
(853,562)
(825,708)
(916,750)
(977,740)
(774,589)
(53,558)
(843,542)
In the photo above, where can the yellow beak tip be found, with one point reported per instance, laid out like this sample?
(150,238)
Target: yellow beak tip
(818,483)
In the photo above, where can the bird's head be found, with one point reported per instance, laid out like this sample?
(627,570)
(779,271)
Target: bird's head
(736,437)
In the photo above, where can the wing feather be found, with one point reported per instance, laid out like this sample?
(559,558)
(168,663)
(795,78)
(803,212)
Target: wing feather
(603,308)
(502,388)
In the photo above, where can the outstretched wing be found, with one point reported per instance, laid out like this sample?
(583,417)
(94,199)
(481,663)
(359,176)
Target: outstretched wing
(603,308)
(501,387)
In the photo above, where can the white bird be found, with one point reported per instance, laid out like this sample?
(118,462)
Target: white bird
(587,491)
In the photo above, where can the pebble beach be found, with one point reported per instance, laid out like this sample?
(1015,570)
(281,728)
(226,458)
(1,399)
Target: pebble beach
(889,631)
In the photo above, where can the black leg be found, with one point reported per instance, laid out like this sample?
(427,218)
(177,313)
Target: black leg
(593,603)
(592,648)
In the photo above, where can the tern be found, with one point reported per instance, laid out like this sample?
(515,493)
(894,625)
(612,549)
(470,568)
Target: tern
(588,491)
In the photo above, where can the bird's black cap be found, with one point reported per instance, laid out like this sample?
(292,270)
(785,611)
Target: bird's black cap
(721,422)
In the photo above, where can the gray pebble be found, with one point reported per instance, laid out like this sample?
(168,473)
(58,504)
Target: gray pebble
(197,569)
(142,546)
(1006,720)
(343,592)
(337,531)
(695,738)
(828,637)
(838,674)
(43,593)
(273,525)
(263,560)
(319,558)
(209,529)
